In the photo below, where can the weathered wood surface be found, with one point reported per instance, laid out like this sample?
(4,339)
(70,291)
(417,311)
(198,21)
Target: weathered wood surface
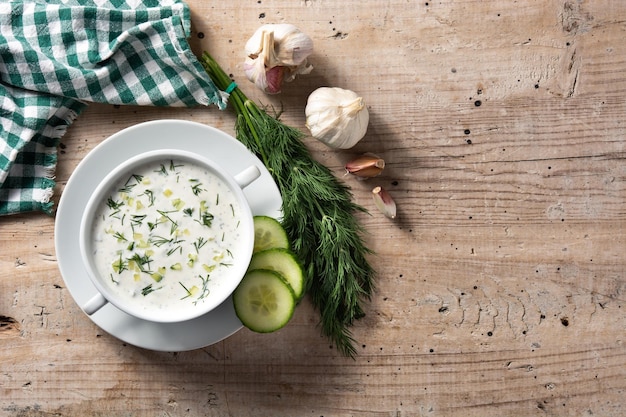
(501,287)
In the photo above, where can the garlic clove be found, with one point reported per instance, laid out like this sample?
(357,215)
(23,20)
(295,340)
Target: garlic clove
(255,72)
(366,166)
(292,47)
(384,202)
(254,69)
(274,77)
(270,81)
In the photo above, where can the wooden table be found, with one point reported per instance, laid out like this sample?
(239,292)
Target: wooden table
(501,284)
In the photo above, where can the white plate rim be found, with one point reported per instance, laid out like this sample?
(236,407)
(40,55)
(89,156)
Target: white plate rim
(263,196)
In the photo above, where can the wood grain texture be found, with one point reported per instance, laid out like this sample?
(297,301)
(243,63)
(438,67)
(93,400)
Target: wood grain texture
(501,284)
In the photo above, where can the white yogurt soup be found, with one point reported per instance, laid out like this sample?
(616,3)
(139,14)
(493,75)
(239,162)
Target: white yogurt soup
(167,235)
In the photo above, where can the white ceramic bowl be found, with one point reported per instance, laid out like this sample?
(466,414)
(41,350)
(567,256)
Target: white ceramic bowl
(154,242)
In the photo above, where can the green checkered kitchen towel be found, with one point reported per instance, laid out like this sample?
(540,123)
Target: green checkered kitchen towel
(56,56)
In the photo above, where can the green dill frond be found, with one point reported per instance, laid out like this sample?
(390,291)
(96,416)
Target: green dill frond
(318,215)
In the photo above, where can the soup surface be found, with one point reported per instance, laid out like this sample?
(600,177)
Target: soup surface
(167,235)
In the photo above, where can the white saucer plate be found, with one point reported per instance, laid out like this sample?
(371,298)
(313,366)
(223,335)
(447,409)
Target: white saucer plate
(263,196)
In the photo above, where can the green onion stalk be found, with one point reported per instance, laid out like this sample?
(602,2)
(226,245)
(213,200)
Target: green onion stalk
(318,214)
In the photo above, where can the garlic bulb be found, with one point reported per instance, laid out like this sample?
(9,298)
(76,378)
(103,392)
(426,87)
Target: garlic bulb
(276,53)
(336,117)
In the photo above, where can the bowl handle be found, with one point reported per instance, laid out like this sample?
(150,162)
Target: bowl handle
(247,176)
(94,304)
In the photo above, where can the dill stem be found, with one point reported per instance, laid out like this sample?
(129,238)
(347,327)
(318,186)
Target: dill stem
(238,100)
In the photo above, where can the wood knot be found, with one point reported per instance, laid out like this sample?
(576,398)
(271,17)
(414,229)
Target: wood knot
(9,327)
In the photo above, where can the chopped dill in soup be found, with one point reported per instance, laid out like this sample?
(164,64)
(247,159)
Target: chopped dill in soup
(166,234)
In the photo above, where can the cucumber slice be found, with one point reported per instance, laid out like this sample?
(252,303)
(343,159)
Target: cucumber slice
(269,233)
(264,301)
(285,263)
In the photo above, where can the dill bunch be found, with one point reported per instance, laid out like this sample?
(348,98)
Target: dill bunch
(318,215)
